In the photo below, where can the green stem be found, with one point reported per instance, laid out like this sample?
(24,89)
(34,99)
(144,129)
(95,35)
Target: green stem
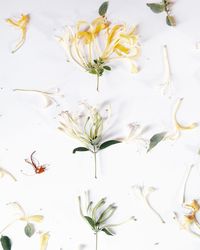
(97,83)
(96,239)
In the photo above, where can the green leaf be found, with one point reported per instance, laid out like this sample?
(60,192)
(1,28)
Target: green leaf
(156,7)
(6,242)
(156,139)
(103,8)
(170,20)
(29,229)
(105,230)
(107,67)
(80,149)
(108,144)
(90,221)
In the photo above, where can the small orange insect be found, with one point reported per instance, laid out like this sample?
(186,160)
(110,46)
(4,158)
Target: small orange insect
(36,165)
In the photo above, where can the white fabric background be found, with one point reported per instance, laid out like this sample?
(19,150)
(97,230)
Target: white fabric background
(27,126)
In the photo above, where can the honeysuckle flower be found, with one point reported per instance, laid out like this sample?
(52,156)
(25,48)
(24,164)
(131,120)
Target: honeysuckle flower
(49,95)
(167,80)
(94,45)
(87,127)
(189,220)
(29,228)
(97,217)
(177,128)
(145,192)
(135,135)
(21,24)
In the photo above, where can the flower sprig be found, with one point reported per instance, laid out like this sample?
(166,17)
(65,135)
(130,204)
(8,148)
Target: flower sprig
(21,24)
(97,217)
(29,228)
(164,6)
(177,128)
(189,221)
(94,45)
(88,128)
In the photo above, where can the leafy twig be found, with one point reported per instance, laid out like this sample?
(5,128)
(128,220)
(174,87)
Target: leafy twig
(164,6)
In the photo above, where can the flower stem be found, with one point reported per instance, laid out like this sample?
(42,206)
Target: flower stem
(10,224)
(95,165)
(97,83)
(96,239)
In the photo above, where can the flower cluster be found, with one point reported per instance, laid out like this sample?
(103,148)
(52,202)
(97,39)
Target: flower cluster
(88,128)
(93,45)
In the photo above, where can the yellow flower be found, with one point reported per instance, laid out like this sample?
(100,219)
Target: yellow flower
(178,127)
(21,24)
(93,45)
(189,221)
(24,217)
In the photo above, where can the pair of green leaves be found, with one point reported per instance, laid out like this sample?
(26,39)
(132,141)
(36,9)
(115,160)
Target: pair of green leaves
(102,146)
(103,8)
(6,242)
(161,7)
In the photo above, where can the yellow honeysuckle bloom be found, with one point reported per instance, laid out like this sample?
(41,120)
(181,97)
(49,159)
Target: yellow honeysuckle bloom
(44,239)
(93,45)
(189,221)
(21,24)
(24,216)
(178,127)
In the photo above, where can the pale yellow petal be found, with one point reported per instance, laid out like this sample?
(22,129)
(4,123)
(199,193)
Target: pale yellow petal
(44,238)
(35,218)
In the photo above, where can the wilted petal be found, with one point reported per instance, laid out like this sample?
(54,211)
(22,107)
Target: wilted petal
(44,239)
